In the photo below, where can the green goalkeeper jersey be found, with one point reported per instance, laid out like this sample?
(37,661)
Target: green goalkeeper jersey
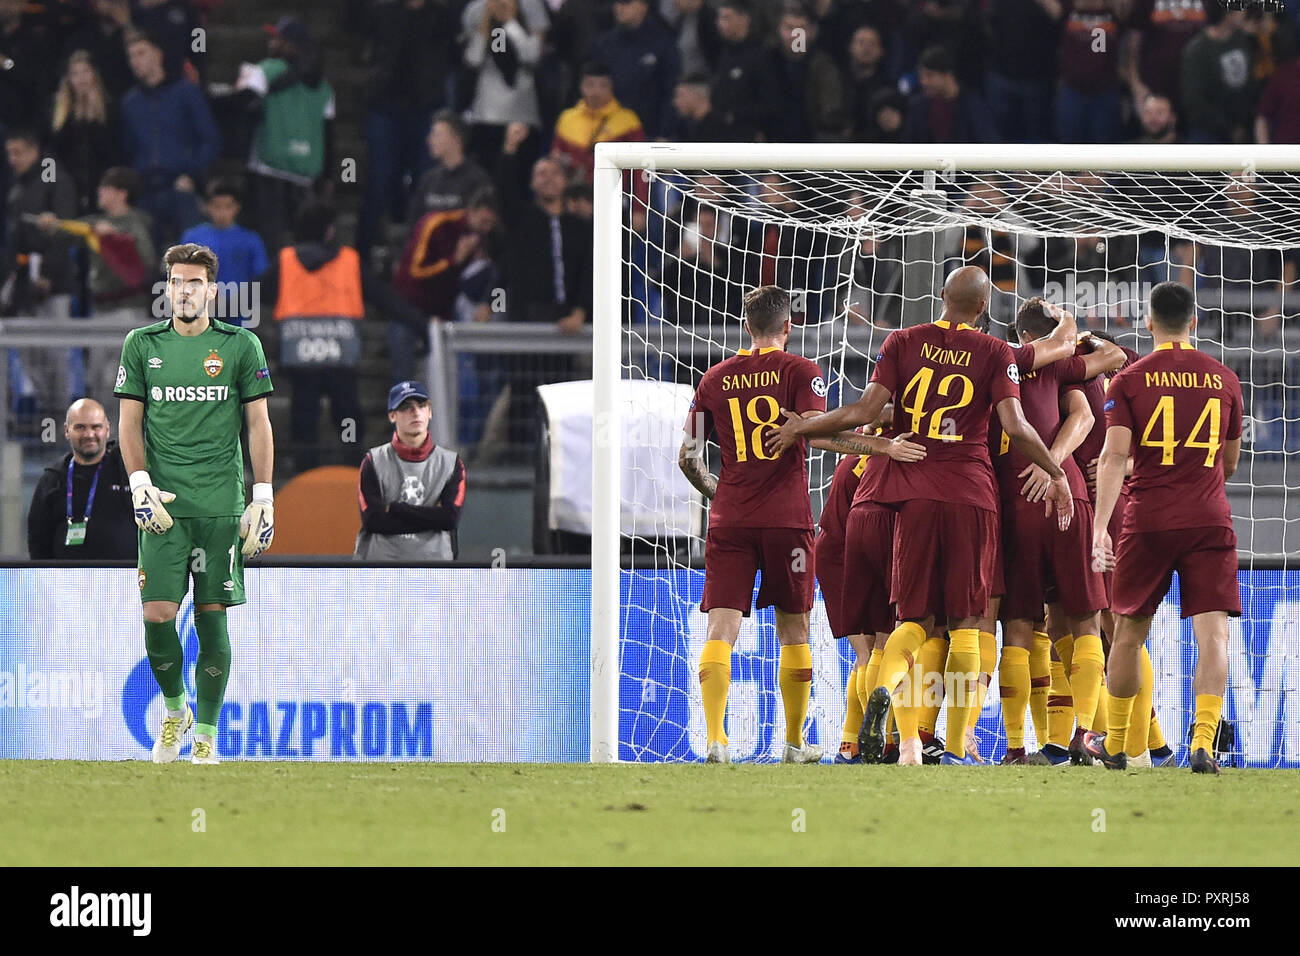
(193,389)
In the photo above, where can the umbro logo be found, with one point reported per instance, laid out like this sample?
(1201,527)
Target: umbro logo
(155,362)
(228,585)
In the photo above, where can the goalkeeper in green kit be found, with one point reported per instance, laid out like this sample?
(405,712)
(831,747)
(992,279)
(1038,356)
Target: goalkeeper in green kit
(182,384)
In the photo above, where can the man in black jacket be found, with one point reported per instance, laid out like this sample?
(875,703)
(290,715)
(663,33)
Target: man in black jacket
(81,509)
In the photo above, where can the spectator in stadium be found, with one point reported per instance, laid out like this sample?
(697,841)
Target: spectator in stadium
(1160,30)
(121,249)
(27,50)
(548,265)
(952,25)
(1088,102)
(102,34)
(596,118)
(580,201)
(170,139)
(172,23)
(241,255)
(693,119)
(740,85)
(85,127)
(37,273)
(453,178)
(292,143)
(1217,86)
(548,252)
(696,27)
(838,22)
(887,112)
(641,52)
(412,59)
(81,509)
(701,279)
(942,110)
(428,275)
(505,89)
(811,104)
(865,77)
(319,291)
(1274,40)
(1020,83)
(411,490)
(1159,122)
(1277,117)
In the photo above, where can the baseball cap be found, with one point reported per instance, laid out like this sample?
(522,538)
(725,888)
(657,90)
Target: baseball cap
(291,29)
(404,390)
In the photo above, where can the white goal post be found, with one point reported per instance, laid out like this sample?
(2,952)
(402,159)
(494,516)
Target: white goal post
(914,168)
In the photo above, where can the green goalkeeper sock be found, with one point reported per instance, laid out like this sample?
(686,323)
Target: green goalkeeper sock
(166,658)
(213,669)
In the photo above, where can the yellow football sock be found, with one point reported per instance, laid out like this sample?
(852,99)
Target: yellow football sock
(1139,723)
(1013,686)
(852,709)
(794,676)
(891,722)
(1086,667)
(867,676)
(961,679)
(1060,707)
(1119,712)
(929,665)
(1155,736)
(988,661)
(1209,707)
(1101,716)
(715,681)
(1040,678)
(900,654)
(1065,651)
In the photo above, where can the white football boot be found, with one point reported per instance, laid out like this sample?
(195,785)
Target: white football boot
(1142,761)
(203,751)
(808,753)
(167,746)
(718,753)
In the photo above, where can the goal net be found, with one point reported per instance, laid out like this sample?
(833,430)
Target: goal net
(862,238)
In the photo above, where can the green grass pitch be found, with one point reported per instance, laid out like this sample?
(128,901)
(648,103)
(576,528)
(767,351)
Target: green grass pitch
(253,813)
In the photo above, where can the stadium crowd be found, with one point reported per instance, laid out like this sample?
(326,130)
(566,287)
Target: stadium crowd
(480,120)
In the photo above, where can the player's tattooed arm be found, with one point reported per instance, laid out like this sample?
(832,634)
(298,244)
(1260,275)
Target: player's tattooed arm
(852,443)
(690,459)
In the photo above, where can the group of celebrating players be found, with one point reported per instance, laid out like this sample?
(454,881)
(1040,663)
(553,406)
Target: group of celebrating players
(1055,486)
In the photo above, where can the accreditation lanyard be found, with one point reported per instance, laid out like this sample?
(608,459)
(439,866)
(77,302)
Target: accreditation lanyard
(77,529)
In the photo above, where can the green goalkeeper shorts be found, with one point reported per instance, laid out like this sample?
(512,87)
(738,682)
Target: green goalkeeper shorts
(207,548)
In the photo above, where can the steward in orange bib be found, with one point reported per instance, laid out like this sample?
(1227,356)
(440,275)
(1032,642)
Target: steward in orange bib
(320,293)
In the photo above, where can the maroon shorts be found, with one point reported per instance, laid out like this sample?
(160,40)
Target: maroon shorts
(943,559)
(1206,562)
(732,556)
(999,585)
(1040,558)
(830,576)
(1115,526)
(868,569)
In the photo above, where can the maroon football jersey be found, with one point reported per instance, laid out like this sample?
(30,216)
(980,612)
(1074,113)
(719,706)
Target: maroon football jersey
(1094,390)
(944,381)
(1181,406)
(839,498)
(742,398)
(1040,396)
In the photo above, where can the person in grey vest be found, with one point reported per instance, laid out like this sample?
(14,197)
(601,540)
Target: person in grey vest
(411,490)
